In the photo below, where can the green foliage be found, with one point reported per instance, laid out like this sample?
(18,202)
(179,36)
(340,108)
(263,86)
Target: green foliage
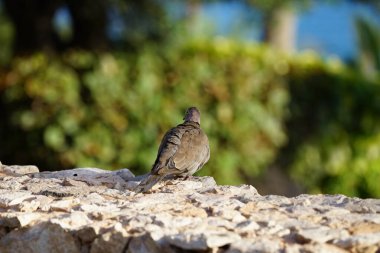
(270,5)
(368,34)
(6,38)
(319,119)
(334,131)
(111,110)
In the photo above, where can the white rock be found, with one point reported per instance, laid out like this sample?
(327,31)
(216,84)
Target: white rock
(72,221)
(91,210)
(202,241)
(97,208)
(41,238)
(312,247)
(143,244)
(358,240)
(29,206)
(219,239)
(261,245)
(188,241)
(16,220)
(231,215)
(92,176)
(113,241)
(247,226)
(125,174)
(65,205)
(44,202)
(322,234)
(17,170)
(12,198)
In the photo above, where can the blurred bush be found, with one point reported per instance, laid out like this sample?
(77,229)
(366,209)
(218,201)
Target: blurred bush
(317,120)
(111,110)
(334,130)
(368,36)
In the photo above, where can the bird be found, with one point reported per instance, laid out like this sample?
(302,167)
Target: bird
(184,150)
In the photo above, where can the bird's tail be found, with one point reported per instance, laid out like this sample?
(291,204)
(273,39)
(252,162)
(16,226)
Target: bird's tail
(147,183)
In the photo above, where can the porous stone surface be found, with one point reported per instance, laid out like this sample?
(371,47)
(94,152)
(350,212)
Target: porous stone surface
(93,210)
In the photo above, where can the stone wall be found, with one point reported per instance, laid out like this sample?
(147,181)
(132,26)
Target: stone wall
(92,210)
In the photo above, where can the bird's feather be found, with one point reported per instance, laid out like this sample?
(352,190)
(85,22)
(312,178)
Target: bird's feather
(147,183)
(183,150)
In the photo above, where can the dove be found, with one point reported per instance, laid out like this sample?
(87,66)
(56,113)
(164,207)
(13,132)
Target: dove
(184,150)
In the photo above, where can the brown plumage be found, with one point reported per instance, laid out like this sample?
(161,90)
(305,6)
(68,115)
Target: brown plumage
(183,151)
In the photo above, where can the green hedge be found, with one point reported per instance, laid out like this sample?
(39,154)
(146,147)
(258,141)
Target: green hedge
(318,120)
(112,110)
(334,131)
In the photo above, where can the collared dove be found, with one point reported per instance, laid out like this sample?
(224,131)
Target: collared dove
(183,151)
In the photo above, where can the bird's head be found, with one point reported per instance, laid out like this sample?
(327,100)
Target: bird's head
(192,114)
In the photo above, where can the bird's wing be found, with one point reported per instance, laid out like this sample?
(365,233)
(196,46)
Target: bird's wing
(168,147)
(206,156)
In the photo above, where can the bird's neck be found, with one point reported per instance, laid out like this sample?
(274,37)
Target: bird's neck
(188,122)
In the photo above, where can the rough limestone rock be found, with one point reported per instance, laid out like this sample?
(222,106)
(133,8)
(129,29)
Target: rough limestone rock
(93,210)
